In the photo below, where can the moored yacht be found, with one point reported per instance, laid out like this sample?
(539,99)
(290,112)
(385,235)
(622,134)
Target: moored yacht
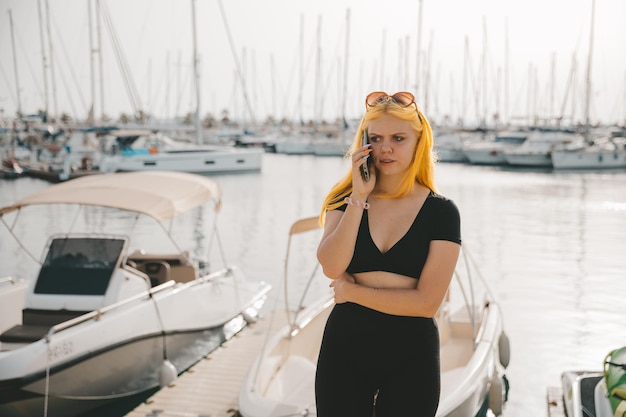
(600,153)
(491,151)
(109,315)
(536,151)
(145,151)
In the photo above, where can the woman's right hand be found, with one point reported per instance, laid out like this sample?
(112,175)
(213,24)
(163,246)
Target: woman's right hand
(361,189)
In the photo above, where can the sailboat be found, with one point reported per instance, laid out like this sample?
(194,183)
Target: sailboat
(145,151)
(474,348)
(600,152)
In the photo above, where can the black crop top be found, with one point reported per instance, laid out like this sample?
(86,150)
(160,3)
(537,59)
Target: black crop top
(438,219)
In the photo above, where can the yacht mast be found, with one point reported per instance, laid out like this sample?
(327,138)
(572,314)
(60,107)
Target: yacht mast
(419,51)
(318,74)
(92,65)
(100,64)
(43,58)
(589,60)
(196,73)
(17,79)
(345,71)
(301,69)
(52,77)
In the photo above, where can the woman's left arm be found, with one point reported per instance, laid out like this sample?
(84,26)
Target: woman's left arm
(422,301)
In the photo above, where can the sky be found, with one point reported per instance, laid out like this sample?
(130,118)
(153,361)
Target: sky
(317,60)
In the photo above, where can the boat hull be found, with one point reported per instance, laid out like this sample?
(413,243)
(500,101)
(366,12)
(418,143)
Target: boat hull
(449,154)
(485,156)
(98,378)
(120,353)
(199,162)
(589,159)
(529,159)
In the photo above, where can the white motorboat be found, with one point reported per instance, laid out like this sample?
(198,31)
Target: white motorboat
(597,393)
(144,151)
(330,146)
(292,145)
(103,320)
(450,147)
(474,352)
(536,151)
(601,153)
(491,151)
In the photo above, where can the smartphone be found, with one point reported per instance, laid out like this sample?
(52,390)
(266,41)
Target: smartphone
(365,170)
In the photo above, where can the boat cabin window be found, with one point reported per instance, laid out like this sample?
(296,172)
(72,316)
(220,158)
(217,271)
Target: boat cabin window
(79,266)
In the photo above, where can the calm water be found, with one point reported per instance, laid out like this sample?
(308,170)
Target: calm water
(551,245)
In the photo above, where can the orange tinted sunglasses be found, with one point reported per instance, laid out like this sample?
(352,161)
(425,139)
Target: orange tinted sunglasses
(403,98)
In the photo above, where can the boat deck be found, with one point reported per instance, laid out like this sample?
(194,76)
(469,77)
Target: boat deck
(211,387)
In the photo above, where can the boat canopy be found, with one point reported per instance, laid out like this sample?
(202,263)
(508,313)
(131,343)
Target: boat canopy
(161,195)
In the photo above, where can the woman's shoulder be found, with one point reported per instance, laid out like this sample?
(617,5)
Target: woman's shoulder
(439,198)
(442,202)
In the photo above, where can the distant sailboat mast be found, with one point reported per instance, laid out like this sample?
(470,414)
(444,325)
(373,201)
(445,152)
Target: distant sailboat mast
(43,59)
(100,63)
(51,54)
(196,73)
(345,71)
(589,60)
(92,66)
(419,52)
(17,78)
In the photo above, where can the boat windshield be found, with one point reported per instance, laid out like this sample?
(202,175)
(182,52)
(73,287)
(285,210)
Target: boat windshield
(79,266)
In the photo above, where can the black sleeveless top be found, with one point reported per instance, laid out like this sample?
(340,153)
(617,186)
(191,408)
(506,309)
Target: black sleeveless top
(438,219)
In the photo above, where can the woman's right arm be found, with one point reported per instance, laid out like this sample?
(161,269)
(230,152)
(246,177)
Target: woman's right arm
(338,240)
(336,247)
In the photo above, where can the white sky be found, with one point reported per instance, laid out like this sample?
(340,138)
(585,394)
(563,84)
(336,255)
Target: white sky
(543,36)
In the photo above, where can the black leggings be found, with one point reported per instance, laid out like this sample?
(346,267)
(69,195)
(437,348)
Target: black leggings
(369,356)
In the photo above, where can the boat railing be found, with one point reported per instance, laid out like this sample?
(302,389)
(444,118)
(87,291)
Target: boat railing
(300,324)
(96,314)
(7,280)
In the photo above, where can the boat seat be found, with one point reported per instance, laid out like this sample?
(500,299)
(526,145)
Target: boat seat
(36,324)
(24,334)
(162,268)
(455,352)
(450,379)
(294,382)
(157,271)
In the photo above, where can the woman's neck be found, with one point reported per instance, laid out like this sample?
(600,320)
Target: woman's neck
(389,185)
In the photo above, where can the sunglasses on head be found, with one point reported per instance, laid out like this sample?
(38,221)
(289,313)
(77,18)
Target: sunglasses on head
(403,98)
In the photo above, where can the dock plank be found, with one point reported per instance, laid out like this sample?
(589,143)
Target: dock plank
(211,387)
(555,402)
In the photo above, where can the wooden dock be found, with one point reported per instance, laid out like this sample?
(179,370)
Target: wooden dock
(555,402)
(211,387)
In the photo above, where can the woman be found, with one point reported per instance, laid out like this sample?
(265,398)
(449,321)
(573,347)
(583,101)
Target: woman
(390,246)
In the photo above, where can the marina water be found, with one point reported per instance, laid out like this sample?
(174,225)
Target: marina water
(551,245)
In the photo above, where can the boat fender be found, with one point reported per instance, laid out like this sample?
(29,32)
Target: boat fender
(504,349)
(250,316)
(496,395)
(167,374)
(615,377)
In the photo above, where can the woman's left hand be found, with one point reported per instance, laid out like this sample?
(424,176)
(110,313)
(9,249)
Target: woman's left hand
(341,286)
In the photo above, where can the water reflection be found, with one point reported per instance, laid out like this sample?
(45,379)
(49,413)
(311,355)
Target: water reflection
(550,244)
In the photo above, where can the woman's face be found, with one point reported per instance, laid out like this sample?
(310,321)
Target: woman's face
(393,144)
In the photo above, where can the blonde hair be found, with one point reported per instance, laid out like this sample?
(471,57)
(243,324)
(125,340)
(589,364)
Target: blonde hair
(422,169)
